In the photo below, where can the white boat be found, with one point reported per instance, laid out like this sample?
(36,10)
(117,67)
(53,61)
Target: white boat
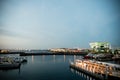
(8,63)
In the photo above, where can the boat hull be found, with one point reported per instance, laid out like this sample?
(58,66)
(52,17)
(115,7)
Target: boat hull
(10,66)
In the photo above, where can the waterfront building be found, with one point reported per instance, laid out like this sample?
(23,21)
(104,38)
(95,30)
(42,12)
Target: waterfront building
(100,46)
(65,50)
(4,51)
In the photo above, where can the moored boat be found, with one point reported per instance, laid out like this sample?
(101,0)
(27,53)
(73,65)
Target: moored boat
(8,63)
(116,57)
(20,59)
(99,56)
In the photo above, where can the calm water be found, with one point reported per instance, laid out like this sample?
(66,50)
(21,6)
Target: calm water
(51,67)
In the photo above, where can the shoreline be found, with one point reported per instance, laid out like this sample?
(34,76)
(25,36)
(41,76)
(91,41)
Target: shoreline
(47,53)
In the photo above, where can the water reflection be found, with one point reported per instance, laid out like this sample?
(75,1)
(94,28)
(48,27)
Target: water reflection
(64,58)
(43,67)
(74,57)
(86,77)
(53,58)
(32,59)
(43,58)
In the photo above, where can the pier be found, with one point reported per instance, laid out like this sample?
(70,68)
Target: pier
(97,70)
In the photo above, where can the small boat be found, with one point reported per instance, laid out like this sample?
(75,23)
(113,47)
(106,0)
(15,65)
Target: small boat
(20,59)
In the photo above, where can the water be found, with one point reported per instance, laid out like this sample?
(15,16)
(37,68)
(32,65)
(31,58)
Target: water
(46,67)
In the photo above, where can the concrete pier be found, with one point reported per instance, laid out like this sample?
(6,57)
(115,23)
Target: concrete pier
(97,70)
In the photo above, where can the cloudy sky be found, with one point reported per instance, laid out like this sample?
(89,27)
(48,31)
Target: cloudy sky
(41,24)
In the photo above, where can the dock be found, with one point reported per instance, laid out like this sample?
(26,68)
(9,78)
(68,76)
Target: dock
(97,70)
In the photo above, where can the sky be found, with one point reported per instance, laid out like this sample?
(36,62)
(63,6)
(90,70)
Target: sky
(43,24)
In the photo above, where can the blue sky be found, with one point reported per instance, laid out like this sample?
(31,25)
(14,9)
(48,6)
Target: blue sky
(41,24)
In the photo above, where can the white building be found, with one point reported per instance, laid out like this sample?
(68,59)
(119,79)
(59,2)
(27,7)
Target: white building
(100,46)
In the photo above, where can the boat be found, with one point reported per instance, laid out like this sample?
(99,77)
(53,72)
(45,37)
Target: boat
(89,56)
(97,69)
(20,59)
(8,63)
(99,56)
(116,57)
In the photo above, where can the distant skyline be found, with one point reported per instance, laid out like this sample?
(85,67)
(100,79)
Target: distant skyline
(43,24)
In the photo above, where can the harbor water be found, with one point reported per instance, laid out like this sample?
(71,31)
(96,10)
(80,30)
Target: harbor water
(45,67)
